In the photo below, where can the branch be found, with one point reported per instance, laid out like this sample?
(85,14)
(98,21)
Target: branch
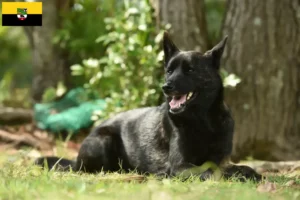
(15,115)
(25,138)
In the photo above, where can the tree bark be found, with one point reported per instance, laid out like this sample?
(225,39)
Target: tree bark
(187,20)
(49,61)
(264,50)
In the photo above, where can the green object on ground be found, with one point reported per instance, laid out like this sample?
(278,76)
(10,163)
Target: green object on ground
(71,113)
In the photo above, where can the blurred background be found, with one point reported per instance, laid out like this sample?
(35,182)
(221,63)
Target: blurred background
(93,58)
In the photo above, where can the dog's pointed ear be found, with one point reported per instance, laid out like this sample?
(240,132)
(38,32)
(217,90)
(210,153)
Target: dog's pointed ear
(170,48)
(216,52)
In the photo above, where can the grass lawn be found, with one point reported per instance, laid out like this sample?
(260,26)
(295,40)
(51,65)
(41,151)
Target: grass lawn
(19,179)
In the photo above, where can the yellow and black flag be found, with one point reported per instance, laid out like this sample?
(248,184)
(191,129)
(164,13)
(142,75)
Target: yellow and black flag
(22,13)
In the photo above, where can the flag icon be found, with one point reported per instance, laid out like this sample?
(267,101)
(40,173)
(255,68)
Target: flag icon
(22,13)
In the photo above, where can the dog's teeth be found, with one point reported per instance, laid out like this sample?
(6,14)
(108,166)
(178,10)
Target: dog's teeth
(189,95)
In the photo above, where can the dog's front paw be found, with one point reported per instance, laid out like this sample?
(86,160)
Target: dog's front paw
(208,174)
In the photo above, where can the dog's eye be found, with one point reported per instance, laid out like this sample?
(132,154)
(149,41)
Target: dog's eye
(169,71)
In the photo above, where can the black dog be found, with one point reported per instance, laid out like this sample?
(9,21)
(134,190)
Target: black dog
(192,127)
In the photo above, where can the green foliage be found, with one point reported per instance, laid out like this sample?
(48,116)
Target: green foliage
(215,10)
(5,83)
(12,97)
(52,93)
(15,55)
(15,73)
(115,42)
(81,26)
(130,72)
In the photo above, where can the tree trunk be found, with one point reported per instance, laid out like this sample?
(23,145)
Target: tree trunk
(188,22)
(49,62)
(264,50)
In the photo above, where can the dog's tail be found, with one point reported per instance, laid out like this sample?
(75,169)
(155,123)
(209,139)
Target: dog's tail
(59,164)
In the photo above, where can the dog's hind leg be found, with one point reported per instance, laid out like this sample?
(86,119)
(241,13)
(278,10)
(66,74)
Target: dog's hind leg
(241,173)
(98,152)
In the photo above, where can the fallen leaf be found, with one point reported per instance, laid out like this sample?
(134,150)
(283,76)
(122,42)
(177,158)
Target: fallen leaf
(290,183)
(267,187)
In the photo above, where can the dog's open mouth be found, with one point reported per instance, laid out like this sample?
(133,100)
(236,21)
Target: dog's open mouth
(178,102)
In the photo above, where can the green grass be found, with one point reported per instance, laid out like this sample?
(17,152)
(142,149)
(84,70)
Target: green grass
(19,179)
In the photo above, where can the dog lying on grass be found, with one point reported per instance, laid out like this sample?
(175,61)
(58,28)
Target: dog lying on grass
(193,127)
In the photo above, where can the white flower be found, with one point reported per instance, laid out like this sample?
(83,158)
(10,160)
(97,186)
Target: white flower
(231,81)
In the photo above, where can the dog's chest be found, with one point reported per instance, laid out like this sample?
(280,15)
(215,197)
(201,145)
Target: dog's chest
(193,143)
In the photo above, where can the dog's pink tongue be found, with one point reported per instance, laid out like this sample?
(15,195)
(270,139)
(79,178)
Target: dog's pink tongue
(175,103)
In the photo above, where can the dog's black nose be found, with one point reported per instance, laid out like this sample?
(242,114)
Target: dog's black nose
(167,87)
